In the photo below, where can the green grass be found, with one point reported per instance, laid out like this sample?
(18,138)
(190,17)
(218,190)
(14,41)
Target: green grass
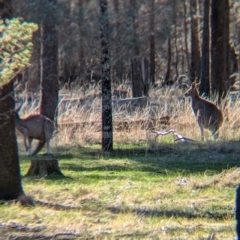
(178,191)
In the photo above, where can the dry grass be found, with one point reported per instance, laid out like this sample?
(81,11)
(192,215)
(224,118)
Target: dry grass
(149,188)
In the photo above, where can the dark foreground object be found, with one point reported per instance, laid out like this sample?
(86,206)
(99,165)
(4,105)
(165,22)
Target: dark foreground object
(238,212)
(44,166)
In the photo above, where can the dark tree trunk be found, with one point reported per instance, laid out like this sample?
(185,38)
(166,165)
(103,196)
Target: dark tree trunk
(49,79)
(219,47)
(10,178)
(134,14)
(237,211)
(107,128)
(205,84)
(195,45)
(186,34)
(140,83)
(81,50)
(175,35)
(167,75)
(119,61)
(152,42)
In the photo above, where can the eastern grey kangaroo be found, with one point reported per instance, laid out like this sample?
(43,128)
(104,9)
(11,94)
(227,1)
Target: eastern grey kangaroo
(208,115)
(32,127)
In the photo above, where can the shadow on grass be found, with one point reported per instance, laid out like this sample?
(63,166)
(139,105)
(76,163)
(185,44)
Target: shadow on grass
(173,213)
(212,157)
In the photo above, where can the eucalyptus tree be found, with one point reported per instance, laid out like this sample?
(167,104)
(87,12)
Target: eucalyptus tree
(107,128)
(16,48)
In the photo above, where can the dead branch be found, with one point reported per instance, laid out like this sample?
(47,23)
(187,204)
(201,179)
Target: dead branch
(179,136)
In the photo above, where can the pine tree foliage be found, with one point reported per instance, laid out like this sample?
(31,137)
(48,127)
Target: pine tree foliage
(15,47)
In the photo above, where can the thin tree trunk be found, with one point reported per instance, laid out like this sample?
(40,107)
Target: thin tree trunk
(119,62)
(152,42)
(167,76)
(205,84)
(82,61)
(195,45)
(107,128)
(49,80)
(175,36)
(186,34)
(134,11)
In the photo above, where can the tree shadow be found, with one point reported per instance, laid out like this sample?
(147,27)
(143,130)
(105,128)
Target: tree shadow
(167,159)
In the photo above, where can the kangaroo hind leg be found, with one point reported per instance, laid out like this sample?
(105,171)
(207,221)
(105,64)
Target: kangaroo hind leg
(29,152)
(200,125)
(215,133)
(48,146)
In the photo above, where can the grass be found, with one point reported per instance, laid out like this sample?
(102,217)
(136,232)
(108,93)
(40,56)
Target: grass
(148,188)
(181,191)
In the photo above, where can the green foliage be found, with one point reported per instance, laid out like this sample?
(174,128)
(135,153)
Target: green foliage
(16,47)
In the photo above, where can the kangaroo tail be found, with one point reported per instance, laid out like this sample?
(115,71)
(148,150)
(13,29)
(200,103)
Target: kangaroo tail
(38,148)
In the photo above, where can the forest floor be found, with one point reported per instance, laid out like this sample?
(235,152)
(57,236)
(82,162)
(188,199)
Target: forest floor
(174,191)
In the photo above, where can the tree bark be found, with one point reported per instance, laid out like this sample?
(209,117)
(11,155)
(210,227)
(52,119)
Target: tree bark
(219,47)
(49,78)
(135,40)
(140,83)
(205,83)
(10,178)
(175,36)
(107,127)
(195,45)
(152,42)
(168,72)
(44,167)
(186,34)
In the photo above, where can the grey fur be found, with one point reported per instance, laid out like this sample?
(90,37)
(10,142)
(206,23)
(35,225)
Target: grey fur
(35,126)
(208,115)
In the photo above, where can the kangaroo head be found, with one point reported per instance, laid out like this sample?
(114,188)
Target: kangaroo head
(192,91)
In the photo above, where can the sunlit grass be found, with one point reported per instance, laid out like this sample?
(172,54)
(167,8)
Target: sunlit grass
(147,188)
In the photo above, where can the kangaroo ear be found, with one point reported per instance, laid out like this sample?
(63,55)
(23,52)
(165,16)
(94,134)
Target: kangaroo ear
(193,85)
(197,85)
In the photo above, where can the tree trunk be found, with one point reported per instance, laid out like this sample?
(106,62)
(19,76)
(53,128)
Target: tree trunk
(237,211)
(168,72)
(46,166)
(107,127)
(175,36)
(49,79)
(186,35)
(152,42)
(219,43)
(82,61)
(135,40)
(10,178)
(205,84)
(140,83)
(195,45)
(119,61)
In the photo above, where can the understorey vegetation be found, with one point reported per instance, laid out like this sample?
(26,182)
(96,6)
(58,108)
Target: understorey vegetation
(149,187)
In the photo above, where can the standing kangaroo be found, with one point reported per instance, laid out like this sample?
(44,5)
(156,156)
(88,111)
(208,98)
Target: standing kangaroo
(35,127)
(207,114)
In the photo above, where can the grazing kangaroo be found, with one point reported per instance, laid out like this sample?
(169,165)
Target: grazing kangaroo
(35,127)
(207,114)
